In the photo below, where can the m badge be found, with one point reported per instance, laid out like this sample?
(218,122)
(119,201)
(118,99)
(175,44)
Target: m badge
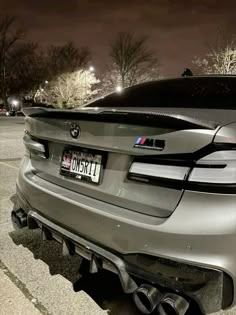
(149,143)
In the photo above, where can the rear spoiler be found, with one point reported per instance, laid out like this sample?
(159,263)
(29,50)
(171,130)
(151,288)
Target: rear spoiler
(123,116)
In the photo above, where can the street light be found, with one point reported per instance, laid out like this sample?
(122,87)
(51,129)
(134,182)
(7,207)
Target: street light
(15,102)
(119,89)
(91,69)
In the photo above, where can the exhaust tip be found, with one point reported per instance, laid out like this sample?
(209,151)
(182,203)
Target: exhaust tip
(19,219)
(146,298)
(173,304)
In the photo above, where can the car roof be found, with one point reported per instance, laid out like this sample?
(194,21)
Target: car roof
(170,91)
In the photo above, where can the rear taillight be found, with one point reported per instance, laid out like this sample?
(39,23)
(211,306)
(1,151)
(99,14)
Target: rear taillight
(212,169)
(35,146)
(217,168)
(158,171)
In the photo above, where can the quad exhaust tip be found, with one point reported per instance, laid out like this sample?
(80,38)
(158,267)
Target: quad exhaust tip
(146,298)
(19,218)
(173,304)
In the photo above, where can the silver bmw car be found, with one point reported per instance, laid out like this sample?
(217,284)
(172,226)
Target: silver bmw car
(142,183)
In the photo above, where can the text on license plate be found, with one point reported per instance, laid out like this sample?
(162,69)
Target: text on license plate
(82,165)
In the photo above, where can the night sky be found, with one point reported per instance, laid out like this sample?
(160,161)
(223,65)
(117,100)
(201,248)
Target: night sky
(178,29)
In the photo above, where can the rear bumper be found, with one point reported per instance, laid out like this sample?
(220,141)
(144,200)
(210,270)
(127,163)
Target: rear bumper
(199,265)
(206,286)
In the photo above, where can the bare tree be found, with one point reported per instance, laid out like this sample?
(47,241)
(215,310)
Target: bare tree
(132,60)
(221,56)
(110,81)
(26,68)
(72,89)
(66,58)
(59,62)
(10,36)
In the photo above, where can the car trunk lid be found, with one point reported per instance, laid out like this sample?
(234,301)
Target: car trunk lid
(115,135)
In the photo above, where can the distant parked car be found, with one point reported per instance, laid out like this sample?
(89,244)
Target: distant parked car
(3,110)
(20,113)
(10,113)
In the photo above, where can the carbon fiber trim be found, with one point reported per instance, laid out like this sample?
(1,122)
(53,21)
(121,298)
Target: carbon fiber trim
(177,122)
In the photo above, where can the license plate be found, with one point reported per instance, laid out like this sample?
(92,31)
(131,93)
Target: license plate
(82,165)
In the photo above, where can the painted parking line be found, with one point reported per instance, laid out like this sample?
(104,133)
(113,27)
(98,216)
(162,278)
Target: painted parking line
(8,165)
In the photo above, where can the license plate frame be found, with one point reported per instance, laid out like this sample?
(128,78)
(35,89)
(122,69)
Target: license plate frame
(66,164)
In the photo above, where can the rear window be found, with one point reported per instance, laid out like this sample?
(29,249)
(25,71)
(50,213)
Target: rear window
(191,92)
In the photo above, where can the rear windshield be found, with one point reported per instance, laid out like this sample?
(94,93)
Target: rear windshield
(191,92)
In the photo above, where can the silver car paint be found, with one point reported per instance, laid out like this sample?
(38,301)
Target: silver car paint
(201,228)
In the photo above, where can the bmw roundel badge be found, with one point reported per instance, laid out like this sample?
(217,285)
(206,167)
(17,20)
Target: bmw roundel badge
(74,131)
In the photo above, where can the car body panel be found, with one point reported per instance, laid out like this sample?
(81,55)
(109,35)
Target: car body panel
(116,141)
(111,226)
(137,216)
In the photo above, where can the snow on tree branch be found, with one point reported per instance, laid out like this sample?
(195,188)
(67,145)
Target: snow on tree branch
(219,60)
(72,89)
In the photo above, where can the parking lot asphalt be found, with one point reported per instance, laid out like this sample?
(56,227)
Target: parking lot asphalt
(34,277)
